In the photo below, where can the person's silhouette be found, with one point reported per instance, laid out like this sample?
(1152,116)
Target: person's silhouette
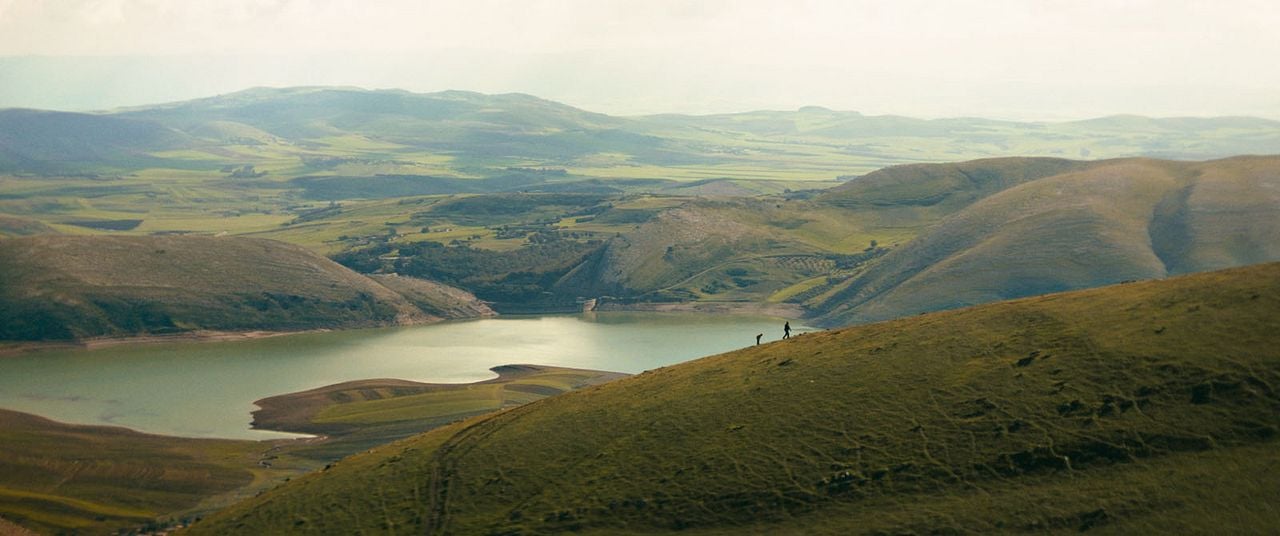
(758,338)
(786,330)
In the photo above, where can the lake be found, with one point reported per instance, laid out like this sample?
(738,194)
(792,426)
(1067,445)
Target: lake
(207,389)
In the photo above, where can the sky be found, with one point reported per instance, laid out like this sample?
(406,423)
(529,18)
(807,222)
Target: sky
(1008,59)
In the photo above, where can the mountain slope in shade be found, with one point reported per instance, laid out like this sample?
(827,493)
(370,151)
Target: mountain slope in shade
(40,140)
(1094,224)
(75,287)
(1139,408)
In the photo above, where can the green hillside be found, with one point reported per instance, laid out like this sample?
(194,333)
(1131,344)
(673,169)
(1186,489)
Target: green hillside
(1082,226)
(62,478)
(355,416)
(1139,408)
(69,287)
(73,479)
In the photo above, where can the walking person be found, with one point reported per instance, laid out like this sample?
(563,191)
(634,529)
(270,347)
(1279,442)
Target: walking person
(786,330)
(758,338)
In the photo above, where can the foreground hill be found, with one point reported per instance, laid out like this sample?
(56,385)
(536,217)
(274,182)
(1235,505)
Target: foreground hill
(74,287)
(62,478)
(1139,408)
(1031,226)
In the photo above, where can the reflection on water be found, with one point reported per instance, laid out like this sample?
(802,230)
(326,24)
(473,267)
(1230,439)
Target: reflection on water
(208,389)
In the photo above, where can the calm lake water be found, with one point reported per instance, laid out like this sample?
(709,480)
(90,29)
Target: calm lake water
(207,389)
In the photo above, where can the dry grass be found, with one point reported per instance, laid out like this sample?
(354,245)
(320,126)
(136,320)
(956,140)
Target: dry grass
(66,287)
(1095,224)
(62,478)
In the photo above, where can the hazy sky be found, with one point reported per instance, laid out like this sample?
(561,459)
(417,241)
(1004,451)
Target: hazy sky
(1030,59)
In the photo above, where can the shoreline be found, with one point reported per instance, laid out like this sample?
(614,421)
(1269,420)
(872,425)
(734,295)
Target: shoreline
(9,349)
(17,348)
(781,310)
(290,412)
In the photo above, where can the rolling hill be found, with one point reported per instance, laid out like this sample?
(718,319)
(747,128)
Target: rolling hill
(42,141)
(1062,225)
(305,131)
(61,478)
(76,287)
(924,237)
(1138,408)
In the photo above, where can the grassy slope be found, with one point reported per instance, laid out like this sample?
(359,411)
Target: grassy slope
(58,477)
(732,249)
(941,189)
(434,298)
(12,226)
(355,416)
(783,245)
(1146,407)
(1095,224)
(62,287)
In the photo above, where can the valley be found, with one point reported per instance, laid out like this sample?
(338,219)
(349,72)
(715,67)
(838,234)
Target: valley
(500,308)
(102,479)
(191,397)
(537,207)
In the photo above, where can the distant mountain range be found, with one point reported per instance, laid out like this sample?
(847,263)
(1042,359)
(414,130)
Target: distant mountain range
(314,129)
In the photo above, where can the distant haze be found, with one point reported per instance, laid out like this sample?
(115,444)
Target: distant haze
(1029,59)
